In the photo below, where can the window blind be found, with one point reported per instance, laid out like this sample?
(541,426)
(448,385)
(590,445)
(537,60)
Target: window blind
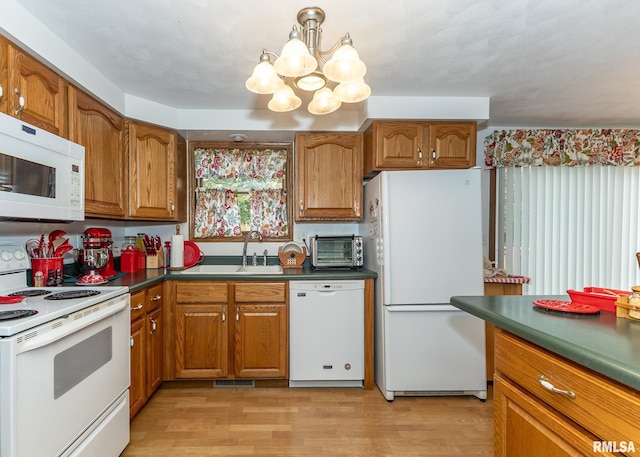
(569,227)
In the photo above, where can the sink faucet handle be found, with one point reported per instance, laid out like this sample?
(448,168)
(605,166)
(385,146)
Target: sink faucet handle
(264,257)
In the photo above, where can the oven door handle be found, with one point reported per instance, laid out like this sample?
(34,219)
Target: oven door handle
(63,331)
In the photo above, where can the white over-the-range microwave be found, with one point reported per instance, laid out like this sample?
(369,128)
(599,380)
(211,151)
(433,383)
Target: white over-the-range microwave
(41,174)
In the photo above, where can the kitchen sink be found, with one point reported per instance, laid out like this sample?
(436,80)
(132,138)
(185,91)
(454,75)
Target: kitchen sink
(233,269)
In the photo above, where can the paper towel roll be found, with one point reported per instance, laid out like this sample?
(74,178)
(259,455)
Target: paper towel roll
(177,251)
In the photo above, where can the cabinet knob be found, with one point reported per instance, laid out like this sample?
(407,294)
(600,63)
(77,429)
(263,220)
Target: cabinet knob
(224,315)
(131,341)
(154,326)
(419,157)
(433,153)
(1,92)
(20,101)
(237,315)
(172,207)
(301,207)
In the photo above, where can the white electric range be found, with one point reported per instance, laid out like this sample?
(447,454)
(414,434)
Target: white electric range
(64,365)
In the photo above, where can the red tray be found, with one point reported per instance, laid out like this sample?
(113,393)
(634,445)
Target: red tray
(603,299)
(566,306)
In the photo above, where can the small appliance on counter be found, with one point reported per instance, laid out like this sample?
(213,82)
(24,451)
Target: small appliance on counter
(95,259)
(336,251)
(292,255)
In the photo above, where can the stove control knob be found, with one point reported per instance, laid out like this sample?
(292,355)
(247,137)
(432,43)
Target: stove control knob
(19,255)
(6,256)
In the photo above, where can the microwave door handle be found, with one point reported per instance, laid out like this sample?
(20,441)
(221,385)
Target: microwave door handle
(66,330)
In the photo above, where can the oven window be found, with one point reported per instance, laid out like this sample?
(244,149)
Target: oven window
(75,364)
(25,177)
(337,250)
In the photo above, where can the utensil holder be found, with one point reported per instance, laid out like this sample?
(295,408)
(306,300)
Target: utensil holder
(50,269)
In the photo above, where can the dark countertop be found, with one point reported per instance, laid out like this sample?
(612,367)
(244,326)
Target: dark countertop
(144,278)
(602,342)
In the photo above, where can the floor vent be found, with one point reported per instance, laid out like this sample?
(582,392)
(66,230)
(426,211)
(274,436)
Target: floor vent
(232,383)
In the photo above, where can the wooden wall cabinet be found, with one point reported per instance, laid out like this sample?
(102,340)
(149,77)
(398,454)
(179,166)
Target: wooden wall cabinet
(412,145)
(32,91)
(152,160)
(102,133)
(147,345)
(533,420)
(230,330)
(328,177)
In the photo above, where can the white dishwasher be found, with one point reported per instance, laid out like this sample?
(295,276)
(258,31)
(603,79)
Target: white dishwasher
(326,333)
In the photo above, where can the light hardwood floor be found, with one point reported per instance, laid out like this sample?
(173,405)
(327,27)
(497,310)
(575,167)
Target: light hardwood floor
(181,422)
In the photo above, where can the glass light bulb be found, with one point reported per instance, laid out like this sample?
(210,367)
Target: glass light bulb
(284,99)
(295,59)
(352,91)
(344,65)
(324,102)
(264,79)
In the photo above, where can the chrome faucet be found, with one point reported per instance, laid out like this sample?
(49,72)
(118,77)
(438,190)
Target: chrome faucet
(246,241)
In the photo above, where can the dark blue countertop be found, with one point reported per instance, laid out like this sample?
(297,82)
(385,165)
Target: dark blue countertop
(602,342)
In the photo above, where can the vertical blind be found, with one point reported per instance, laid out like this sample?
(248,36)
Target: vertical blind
(569,227)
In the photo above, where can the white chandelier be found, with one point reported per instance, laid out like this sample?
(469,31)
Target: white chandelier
(300,65)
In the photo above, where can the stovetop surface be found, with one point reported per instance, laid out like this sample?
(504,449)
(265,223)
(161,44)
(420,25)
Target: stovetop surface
(48,310)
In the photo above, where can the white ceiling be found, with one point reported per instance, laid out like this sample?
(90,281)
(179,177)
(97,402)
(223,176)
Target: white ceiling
(542,62)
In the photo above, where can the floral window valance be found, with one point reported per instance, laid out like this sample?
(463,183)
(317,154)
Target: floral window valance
(240,163)
(562,147)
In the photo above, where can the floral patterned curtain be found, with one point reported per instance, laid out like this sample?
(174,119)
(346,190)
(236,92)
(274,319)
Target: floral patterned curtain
(562,147)
(268,212)
(217,213)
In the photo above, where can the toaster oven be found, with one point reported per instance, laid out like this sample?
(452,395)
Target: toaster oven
(336,251)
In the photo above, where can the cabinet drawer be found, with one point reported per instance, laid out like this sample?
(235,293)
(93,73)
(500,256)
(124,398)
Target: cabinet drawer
(155,296)
(138,306)
(202,292)
(609,410)
(260,292)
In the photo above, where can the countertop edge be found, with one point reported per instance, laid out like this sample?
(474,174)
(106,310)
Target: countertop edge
(578,354)
(144,278)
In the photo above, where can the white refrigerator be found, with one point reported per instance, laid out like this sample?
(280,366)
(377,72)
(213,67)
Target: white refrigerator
(423,236)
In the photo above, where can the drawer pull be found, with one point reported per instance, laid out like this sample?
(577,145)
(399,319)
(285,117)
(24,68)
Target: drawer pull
(136,308)
(547,385)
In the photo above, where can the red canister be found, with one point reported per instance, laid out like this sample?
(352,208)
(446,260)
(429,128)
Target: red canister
(130,259)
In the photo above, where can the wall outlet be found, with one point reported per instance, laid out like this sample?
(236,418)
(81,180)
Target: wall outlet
(301,236)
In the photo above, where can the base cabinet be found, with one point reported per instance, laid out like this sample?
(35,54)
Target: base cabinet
(588,414)
(230,330)
(147,345)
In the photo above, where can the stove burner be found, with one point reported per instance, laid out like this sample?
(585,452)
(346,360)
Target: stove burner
(16,314)
(69,294)
(31,292)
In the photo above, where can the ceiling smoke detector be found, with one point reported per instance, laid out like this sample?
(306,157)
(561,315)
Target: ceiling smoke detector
(238,137)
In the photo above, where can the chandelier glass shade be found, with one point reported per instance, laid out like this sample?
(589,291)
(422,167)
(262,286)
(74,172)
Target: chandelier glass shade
(302,65)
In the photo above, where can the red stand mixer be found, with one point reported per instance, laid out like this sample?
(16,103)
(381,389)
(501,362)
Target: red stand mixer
(96,256)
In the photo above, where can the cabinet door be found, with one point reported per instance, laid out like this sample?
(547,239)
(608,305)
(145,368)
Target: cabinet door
(36,94)
(525,426)
(152,178)
(101,132)
(155,350)
(397,145)
(201,339)
(261,341)
(328,177)
(453,145)
(4,75)
(137,396)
